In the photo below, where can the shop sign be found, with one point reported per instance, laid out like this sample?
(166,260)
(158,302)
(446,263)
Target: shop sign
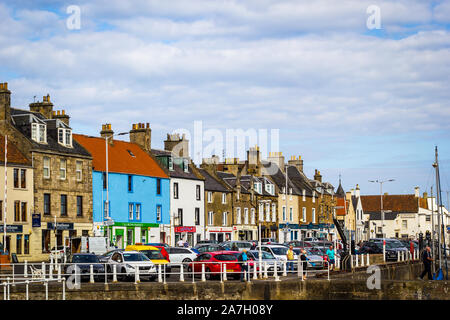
(60,226)
(10,228)
(36,220)
(184,229)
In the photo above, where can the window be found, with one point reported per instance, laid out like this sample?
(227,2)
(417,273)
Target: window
(209,197)
(158,213)
(23,211)
(185,165)
(197,192)
(138,211)
(63,205)
(274,212)
(42,133)
(427,218)
(38,132)
(314,197)
(46,163)
(68,141)
(175,190)
(105,209)
(170,164)
(180,217)
(26,244)
(238,216)
(34,129)
(405,224)
(19,244)
(210,218)
(16,178)
(47,204)
(224,218)
(197,216)
(16,210)
(304,214)
(257,186)
(253,215)
(23,178)
(65,137)
(260,212)
(284,213)
(79,206)
(291,215)
(224,198)
(313,215)
(130,211)
(130,183)
(304,195)
(79,170)
(267,212)
(158,186)
(61,136)
(62,169)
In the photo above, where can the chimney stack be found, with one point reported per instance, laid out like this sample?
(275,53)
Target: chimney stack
(5,103)
(45,107)
(317,176)
(61,115)
(179,146)
(297,162)
(107,132)
(277,158)
(417,192)
(141,134)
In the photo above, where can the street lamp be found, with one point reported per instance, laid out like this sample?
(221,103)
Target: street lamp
(106,211)
(382,212)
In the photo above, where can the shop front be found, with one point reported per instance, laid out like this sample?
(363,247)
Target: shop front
(244,233)
(288,232)
(185,234)
(219,234)
(123,234)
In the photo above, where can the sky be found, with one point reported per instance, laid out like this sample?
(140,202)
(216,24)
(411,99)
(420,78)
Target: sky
(355,99)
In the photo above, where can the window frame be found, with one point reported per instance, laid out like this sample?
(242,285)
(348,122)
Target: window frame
(63,213)
(46,166)
(62,169)
(79,170)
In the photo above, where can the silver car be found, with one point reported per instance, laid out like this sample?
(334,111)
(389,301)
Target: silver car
(266,257)
(126,263)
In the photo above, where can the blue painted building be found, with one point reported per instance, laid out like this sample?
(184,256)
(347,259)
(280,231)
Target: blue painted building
(138,190)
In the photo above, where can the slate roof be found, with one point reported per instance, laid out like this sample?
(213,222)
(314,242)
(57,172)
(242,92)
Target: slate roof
(387,215)
(52,143)
(340,191)
(231,180)
(123,157)
(396,203)
(279,179)
(300,180)
(211,183)
(14,156)
(355,201)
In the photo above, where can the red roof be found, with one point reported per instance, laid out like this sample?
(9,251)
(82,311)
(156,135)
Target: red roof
(123,157)
(395,203)
(14,155)
(340,202)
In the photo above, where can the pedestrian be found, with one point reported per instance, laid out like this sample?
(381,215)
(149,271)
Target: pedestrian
(243,258)
(253,246)
(303,259)
(234,247)
(426,259)
(290,258)
(411,247)
(186,244)
(330,256)
(180,243)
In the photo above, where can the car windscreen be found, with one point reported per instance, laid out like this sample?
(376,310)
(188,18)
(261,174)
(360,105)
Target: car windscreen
(225,257)
(153,254)
(84,259)
(135,257)
(279,250)
(396,244)
(243,245)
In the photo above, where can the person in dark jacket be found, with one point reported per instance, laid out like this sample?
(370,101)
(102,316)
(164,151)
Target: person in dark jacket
(426,259)
(304,263)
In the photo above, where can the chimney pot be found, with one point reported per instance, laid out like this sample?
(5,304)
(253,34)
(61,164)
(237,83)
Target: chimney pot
(58,113)
(1,85)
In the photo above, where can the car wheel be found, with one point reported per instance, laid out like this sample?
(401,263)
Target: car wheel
(123,275)
(208,274)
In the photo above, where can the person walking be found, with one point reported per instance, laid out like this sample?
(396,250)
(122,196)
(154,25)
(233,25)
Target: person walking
(303,259)
(243,258)
(290,258)
(330,255)
(426,259)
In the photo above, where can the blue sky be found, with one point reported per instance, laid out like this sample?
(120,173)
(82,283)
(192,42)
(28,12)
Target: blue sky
(366,104)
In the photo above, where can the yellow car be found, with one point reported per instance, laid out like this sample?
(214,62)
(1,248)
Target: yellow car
(154,254)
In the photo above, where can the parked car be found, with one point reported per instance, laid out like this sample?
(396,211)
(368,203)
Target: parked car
(154,254)
(240,245)
(314,261)
(181,255)
(268,240)
(266,257)
(376,247)
(104,258)
(126,263)
(83,262)
(213,263)
(250,257)
(312,239)
(278,251)
(207,241)
(211,247)
(157,244)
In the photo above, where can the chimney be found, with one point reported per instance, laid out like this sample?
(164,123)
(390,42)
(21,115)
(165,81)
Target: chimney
(317,176)
(45,107)
(277,158)
(141,134)
(179,146)
(357,191)
(254,161)
(417,192)
(297,162)
(425,195)
(107,132)
(61,115)
(5,102)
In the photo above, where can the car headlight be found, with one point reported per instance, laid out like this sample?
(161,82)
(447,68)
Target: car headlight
(129,266)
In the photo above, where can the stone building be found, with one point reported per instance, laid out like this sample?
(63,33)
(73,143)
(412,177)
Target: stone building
(62,170)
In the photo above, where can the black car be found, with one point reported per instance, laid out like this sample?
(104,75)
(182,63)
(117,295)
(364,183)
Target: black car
(376,247)
(83,262)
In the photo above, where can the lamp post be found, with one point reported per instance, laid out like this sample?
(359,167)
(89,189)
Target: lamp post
(5,212)
(106,211)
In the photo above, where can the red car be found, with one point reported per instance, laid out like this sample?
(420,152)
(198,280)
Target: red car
(213,262)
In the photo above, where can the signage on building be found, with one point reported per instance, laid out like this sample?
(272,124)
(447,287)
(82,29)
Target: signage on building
(226,229)
(60,225)
(10,228)
(184,229)
(36,220)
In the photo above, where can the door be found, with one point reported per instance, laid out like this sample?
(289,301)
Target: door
(130,233)
(220,237)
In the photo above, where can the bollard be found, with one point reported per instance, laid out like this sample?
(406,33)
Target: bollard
(225,272)
(26,269)
(91,278)
(13,274)
(255,272)
(275,272)
(114,273)
(50,272)
(181,273)
(64,289)
(265,270)
(246,271)
(106,275)
(193,273)
(159,273)
(203,272)
(368,260)
(59,273)
(301,270)
(164,274)
(284,269)
(43,270)
(7,281)
(328,270)
(4,291)
(65,259)
(298,268)
(46,289)
(26,290)
(136,275)
(357,261)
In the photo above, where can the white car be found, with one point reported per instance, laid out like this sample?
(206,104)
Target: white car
(126,263)
(278,251)
(181,255)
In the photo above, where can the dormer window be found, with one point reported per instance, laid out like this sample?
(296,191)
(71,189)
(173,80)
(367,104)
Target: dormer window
(258,187)
(39,132)
(65,137)
(185,165)
(170,164)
